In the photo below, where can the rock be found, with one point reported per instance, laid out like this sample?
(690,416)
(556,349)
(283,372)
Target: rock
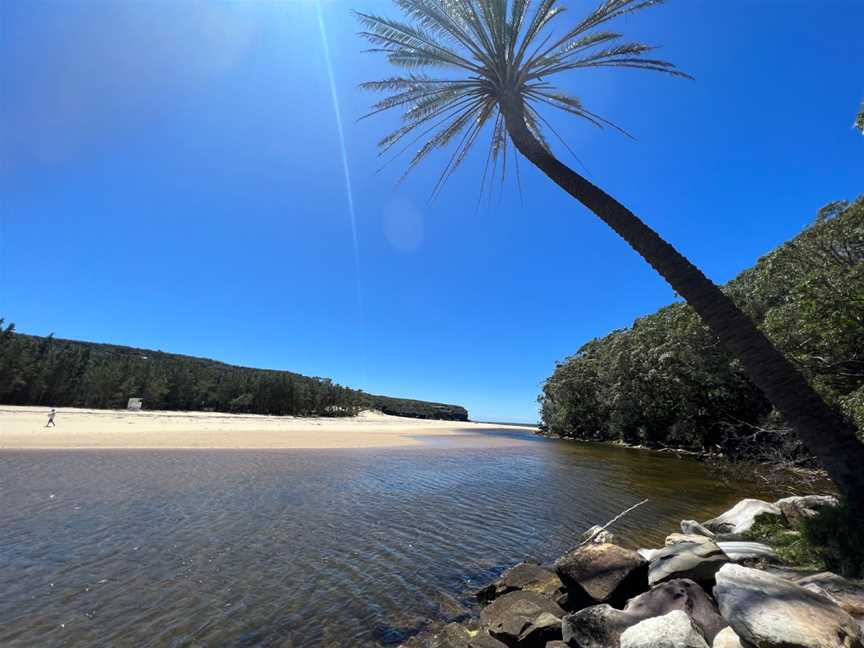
(798,509)
(747,552)
(681,594)
(673,630)
(602,573)
(546,627)
(726,638)
(556,644)
(692,527)
(451,635)
(602,536)
(519,617)
(847,594)
(739,519)
(770,612)
(696,561)
(598,626)
(677,538)
(525,577)
(485,640)
(648,554)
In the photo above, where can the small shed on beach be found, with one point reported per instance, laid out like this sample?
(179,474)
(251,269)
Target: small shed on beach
(135,404)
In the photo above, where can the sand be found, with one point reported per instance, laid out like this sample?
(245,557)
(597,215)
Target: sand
(24,428)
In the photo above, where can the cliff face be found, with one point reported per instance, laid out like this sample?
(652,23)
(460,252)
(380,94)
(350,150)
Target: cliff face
(418,409)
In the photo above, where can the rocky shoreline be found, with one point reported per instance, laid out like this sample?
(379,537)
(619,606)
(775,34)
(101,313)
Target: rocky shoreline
(708,587)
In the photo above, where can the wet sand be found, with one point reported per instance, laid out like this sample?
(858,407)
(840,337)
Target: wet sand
(24,428)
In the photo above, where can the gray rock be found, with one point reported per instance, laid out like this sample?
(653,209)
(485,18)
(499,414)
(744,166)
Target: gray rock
(522,619)
(747,552)
(848,594)
(526,577)
(798,509)
(692,527)
(598,535)
(677,538)
(770,612)
(681,594)
(739,519)
(673,630)
(696,561)
(451,635)
(484,640)
(556,644)
(726,638)
(598,626)
(602,573)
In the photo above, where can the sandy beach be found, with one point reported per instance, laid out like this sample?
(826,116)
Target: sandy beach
(24,428)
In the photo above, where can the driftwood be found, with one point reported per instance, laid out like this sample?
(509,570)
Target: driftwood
(598,531)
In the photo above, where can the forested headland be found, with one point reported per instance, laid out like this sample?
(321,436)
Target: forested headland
(666,381)
(67,373)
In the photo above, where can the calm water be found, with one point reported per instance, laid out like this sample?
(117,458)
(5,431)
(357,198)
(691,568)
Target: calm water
(302,548)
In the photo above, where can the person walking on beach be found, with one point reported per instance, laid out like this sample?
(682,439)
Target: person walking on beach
(51,416)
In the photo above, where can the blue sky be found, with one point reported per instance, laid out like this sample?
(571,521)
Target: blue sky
(171,178)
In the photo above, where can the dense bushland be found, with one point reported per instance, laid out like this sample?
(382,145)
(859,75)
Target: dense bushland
(666,381)
(67,373)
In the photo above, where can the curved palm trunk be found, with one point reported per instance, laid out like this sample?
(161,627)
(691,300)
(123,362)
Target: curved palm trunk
(828,435)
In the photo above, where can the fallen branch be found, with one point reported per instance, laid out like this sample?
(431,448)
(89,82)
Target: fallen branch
(598,531)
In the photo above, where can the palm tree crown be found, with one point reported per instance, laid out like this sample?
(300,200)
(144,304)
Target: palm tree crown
(496,55)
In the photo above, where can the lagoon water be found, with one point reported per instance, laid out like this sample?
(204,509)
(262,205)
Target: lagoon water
(304,548)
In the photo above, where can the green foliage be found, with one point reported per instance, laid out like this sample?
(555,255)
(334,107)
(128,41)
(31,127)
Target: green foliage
(838,536)
(66,373)
(793,547)
(666,381)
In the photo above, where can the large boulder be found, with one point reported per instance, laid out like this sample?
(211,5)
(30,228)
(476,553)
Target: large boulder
(798,509)
(684,595)
(739,519)
(602,573)
(673,630)
(525,577)
(692,527)
(847,594)
(726,638)
(748,552)
(522,619)
(598,626)
(770,612)
(698,561)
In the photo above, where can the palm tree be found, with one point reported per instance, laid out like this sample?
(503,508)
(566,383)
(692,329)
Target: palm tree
(498,64)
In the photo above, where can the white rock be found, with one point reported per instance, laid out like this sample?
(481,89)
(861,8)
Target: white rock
(726,638)
(770,612)
(648,554)
(675,538)
(744,551)
(692,527)
(673,630)
(739,519)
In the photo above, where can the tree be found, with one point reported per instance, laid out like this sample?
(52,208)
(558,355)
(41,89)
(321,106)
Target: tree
(859,121)
(500,62)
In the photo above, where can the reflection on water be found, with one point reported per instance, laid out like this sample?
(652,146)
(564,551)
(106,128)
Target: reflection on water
(302,548)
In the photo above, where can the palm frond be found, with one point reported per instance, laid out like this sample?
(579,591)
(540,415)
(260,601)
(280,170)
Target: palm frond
(492,51)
